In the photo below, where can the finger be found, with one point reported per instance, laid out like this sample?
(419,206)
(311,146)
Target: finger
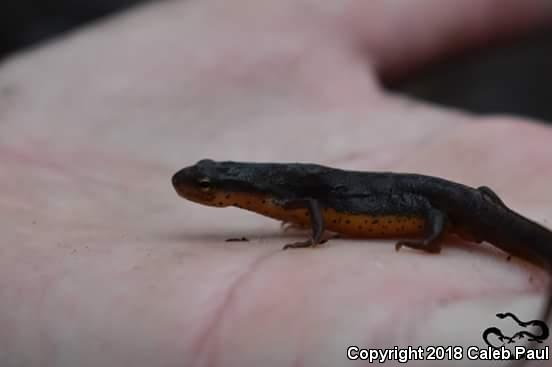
(407,34)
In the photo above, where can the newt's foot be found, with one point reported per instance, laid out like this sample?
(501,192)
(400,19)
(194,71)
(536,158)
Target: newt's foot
(423,246)
(303,244)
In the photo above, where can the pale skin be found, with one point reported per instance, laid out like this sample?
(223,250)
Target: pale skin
(101,264)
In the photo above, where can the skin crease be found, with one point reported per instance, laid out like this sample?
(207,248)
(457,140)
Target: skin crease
(102,264)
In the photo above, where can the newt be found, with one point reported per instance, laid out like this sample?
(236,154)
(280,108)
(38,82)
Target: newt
(366,204)
(417,209)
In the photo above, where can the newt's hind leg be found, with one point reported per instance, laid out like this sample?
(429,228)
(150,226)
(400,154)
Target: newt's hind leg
(436,223)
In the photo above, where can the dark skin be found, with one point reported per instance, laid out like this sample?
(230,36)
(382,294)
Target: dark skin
(476,214)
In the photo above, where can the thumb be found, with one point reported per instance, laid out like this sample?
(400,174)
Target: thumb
(402,35)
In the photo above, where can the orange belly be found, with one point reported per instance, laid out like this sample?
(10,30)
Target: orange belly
(355,225)
(362,225)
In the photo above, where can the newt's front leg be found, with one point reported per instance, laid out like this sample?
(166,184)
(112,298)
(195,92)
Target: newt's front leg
(316,219)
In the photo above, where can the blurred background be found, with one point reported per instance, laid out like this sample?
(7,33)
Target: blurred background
(513,77)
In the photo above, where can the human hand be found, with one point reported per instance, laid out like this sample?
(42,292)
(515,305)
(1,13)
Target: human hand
(103,265)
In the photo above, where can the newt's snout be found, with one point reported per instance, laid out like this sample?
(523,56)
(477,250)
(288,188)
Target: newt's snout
(180,178)
(189,185)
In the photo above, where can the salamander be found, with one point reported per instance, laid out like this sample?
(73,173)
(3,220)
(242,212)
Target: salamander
(417,209)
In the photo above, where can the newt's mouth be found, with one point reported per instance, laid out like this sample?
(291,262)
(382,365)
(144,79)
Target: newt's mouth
(195,195)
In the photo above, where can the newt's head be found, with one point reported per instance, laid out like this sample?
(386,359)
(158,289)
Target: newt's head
(198,183)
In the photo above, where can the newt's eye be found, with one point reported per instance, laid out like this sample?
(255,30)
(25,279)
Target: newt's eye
(205,184)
